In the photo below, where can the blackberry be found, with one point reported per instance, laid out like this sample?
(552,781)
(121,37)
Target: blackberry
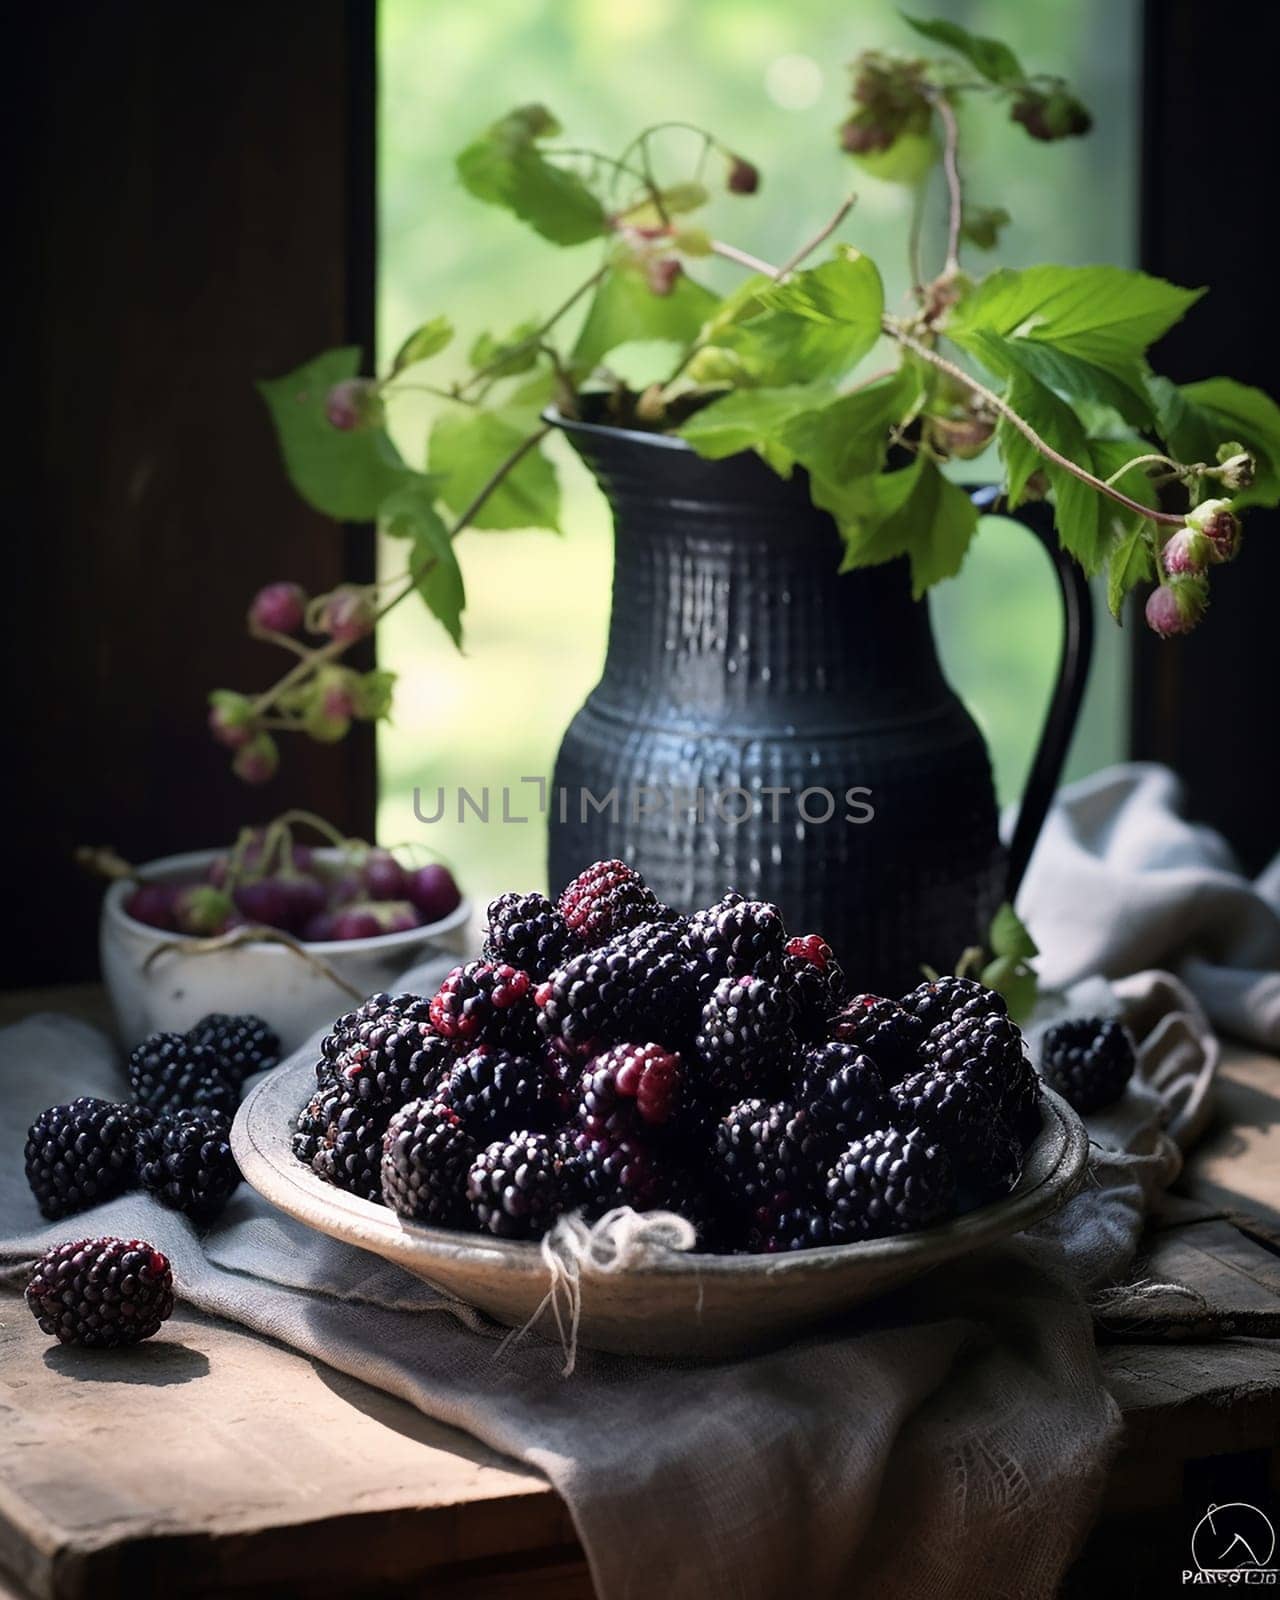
(606,1169)
(185,1162)
(844,1092)
(662,1003)
(881,1029)
(952,1000)
(606,899)
(350,1151)
(888,1182)
(817,984)
(526,931)
(791,1227)
(732,938)
(244,1045)
(955,1111)
(391,1059)
(517,1186)
(990,1049)
(168,1072)
(484,1002)
(1088,1060)
(102,1293)
(377,1008)
(630,1088)
(744,1036)
(313,1121)
(80,1154)
(635,985)
(426,1155)
(494,1092)
(767,1155)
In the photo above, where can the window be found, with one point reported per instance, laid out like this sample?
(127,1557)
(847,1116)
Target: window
(769,80)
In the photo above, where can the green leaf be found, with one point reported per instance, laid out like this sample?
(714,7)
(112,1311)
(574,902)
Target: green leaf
(1008,936)
(748,419)
(625,309)
(1196,418)
(467,447)
(847,438)
(1130,564)
(1070,376)
(1083,527)
(344,474)
(504,167)
(1129,559)
(817,325)
(372,694)
(411,514)
(1016,982)
(422,343)
(914,512)
(846,289)
(523,407)
(678,199)
(981,225)
(509,356)
(995,61)
(1105,315)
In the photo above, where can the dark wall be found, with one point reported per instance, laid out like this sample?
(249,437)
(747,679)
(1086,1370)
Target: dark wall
(195,213)
(1207,704)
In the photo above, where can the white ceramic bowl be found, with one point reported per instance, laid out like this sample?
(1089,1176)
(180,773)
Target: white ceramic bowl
(153,985)
(703,1307)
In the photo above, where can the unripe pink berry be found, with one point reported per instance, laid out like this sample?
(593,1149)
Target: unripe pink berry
(661,273)
(347,614)
(1177,607)
(353,404)
(278,608)
(1220,526)
(231,719)
(203,911)
(1186,554)
(1238,471)
(744,176)
(257,761)
(1223,534)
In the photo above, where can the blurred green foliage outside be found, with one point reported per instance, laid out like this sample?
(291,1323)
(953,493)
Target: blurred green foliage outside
(770,81)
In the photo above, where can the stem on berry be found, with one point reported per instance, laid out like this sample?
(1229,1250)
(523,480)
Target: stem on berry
(822,235)
(951,167)
(767,269)
(284,640)
(1145,461)
(744,258)
(914,234)
(536,337)
(391,389)
(335,648)
(1004,409)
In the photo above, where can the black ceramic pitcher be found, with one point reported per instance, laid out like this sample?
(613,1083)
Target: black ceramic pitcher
(766,724)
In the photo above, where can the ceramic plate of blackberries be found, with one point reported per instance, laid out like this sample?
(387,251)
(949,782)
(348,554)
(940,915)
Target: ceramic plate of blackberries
(607,1055)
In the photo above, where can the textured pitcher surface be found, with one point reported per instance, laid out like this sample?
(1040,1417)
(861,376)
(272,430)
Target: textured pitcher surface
(765,723)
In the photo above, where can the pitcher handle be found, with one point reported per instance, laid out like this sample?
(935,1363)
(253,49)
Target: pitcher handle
(1073,674)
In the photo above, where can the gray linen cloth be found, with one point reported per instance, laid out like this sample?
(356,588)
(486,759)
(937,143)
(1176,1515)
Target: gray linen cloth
(1121,882)
(951,1440)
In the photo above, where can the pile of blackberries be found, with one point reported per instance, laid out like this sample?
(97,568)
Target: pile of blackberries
(172,1139)
(606,1051)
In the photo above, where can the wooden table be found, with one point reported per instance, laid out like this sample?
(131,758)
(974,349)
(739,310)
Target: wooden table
(215,1462)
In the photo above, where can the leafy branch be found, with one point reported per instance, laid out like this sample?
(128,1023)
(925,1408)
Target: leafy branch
(1050,365)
